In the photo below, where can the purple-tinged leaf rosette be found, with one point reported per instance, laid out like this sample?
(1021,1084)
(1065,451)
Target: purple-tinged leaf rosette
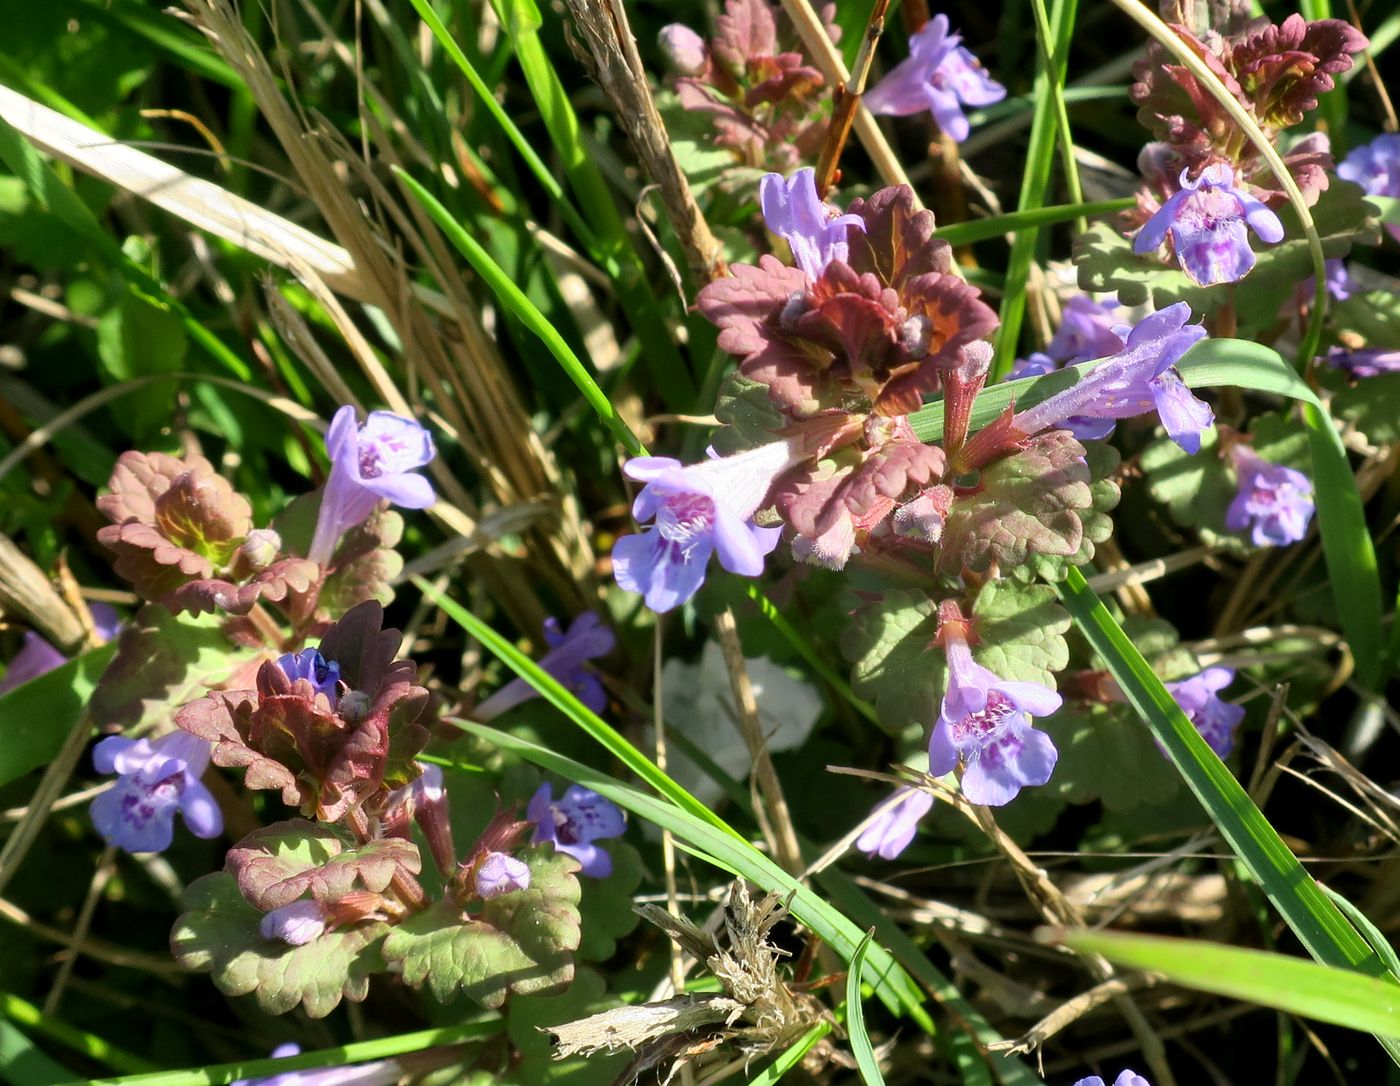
(894,823)
(815,233)
(698,510)
(939,76)
(370,463)
(1206,221)
(587,638)
(1138,379)
(1375,166)
(1214,717)
(573,822)
(156,779)
(985,723)
(1274,504)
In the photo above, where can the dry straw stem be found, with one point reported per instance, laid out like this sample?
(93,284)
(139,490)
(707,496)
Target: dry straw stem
(27,594)
(615,64)
(828,59)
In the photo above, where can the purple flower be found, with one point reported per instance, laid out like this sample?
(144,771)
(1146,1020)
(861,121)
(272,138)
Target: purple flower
(37,657)
(1274,503)
(897,819)
(987,722)
(1127,1078)
(579,818)
(369,463)
(815,233)
(939,75)
(309,664)
(684,49)
(424,799)
(1136,380)
(1083,427)
(157,778)
(499,874)
(1086,330)
(295,924)
(1215,718)
(1376,168)
(378,1073)
(587,638)
(1366,362)
(1206,219)
(698,509)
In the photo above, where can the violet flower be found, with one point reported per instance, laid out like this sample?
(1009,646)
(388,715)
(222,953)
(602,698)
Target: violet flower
(683,48)
(1126,1078)
(424,800)
(499,874)
(309,664)
(698,509)
(1274,503)
(295,924)
(572,824)
(377,1073)
(569,652)
(897,820)
(814,232)
(1206,219)
(1086,330)
(1375,166)
(37,657)
(1365,362)
(1136,380)
(369,463)
(1083,427)
(1215,718)
(940,76)
(986,721)
(157,777)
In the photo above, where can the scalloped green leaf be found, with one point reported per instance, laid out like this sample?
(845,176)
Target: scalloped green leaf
(747,415)
(1029,503)
(1106,754)
(519,943)
(888,643)
(1022,630)
(1372,405)
(1098,525)
(606,904)
(278,864)
(218,934)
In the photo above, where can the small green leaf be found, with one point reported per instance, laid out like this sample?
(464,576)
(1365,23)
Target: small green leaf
(748,415)
(528,1019)
(1326,993)
(1029,503)
(1372,405)
(218,934)
(520,942)
(1021,628)
(1106,754)
(888,641)
(606,905)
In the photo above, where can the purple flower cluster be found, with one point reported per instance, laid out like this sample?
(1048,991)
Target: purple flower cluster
(940,76)
(586,639)
(573,822)
(1086,331)
(698,510)
(1206,220)
(815,233)
(370,463)
(1274,504)
(1138,379)
(985,721)
(1215,718)
(894,823)
(309,664)
(1126,1078)
(156,778)
(1375,166)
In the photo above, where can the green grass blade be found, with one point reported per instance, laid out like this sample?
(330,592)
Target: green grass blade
(23,1013)
(791,1057)
(1304,988)
(563,700)
(1310,913)
(721,847)
(963,233)
(866,1063)
(1372,934)
(383,1048)
(22,1063)
(514,299)
(1035,180)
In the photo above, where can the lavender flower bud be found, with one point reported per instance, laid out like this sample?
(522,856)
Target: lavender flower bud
(295,924)
(500,874)
(259,550)
(684,49)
